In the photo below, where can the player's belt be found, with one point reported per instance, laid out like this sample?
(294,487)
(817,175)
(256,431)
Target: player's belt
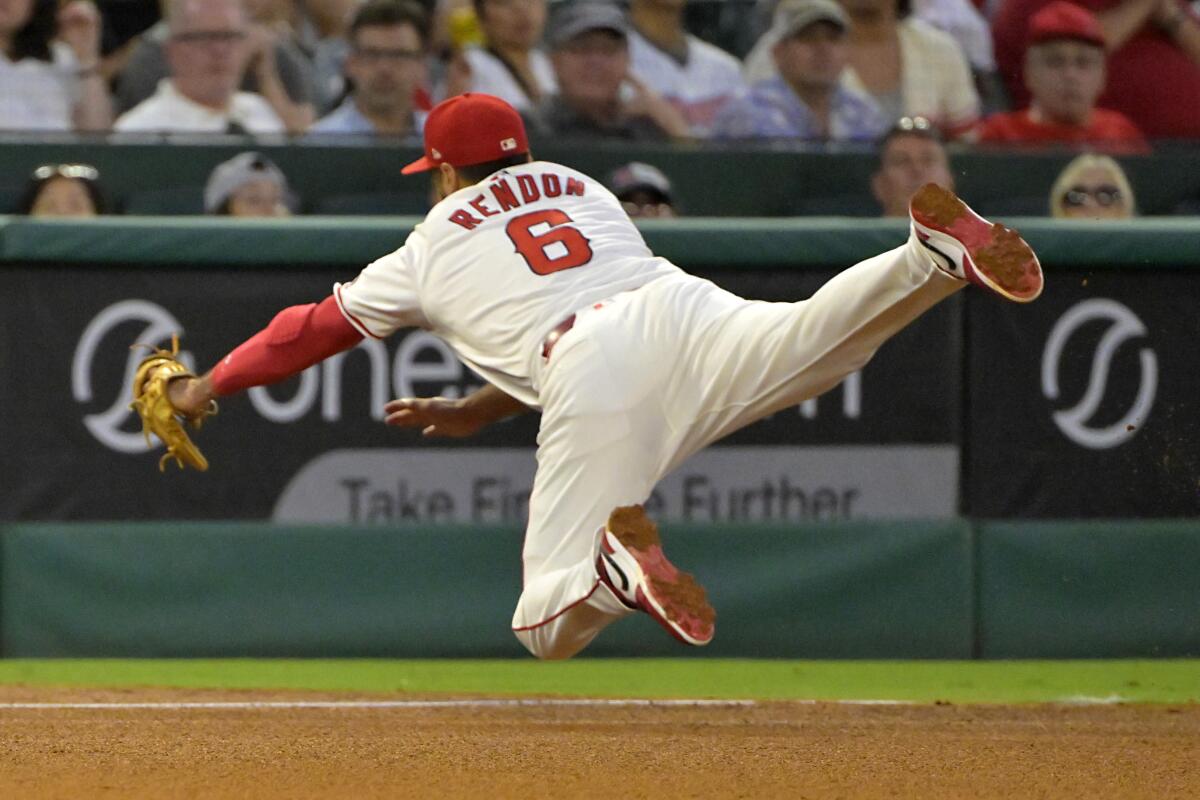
(553,336)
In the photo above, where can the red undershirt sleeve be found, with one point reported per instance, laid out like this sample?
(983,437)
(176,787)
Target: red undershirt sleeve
(297,338)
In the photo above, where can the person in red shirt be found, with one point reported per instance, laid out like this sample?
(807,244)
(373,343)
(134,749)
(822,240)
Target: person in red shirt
(1153,63)
(1065,74)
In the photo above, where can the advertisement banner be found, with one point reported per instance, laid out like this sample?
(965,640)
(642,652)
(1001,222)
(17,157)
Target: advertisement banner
(882,444)
(1084,404)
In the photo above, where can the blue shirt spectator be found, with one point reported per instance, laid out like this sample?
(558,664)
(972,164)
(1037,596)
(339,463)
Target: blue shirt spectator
(771,110)
(808,98)
(385,66)
(347,119)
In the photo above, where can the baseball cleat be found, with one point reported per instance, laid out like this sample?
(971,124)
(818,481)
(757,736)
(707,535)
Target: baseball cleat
(970,248)
(632,564)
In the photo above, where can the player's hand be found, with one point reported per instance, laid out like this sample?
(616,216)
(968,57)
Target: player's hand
(191,396)
(435,416)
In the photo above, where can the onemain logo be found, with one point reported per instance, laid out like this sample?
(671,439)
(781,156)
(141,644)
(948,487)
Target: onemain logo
(1075,422)
(423,365)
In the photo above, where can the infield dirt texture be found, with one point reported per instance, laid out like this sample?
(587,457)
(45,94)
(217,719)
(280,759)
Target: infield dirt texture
(131,742)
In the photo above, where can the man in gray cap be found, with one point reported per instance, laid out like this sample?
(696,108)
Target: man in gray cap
(807,99)
(589,49)
(247,185)
(644,191)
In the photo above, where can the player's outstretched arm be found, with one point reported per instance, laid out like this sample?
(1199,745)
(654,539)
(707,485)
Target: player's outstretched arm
(441,416)
(296,338)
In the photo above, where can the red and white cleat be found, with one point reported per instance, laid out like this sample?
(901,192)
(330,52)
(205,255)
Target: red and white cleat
(632,563)
(967,246)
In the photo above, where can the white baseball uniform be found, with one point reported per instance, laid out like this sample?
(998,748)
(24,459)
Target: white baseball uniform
(657,365)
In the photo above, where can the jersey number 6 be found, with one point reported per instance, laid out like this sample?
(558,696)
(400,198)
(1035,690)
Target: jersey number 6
(539,251)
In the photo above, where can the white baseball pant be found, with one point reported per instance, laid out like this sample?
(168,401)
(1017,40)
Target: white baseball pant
(648,378)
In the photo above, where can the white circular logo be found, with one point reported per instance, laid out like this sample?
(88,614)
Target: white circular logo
(160,324)
(1074,422)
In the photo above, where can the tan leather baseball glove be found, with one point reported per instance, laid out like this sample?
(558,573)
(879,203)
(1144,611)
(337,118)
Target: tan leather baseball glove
(153,405)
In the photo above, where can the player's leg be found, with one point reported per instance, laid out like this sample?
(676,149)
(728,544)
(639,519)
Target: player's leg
(602,445)
(582,475)
(763,357)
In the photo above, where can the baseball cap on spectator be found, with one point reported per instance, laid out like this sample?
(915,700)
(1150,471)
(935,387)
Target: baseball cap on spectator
(231,175)
(793,16)
(1063,20)
(470,128)
(636,176)
(571,19)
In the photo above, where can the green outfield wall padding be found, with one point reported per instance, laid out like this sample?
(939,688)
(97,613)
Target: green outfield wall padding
(1089,589)
(350,243)
(854,590)
(845,590)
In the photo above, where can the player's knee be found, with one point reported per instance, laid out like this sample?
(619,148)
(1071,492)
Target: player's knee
(546,648)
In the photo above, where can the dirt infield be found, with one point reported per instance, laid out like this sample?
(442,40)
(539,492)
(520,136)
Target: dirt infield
(766,750)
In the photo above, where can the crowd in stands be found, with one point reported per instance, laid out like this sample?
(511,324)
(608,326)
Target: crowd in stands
(1092,72)
(1113,76)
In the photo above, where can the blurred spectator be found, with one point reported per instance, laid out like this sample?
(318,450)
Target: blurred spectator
(247,185)
(959,18)
(275,66)
(63,190)
(644,191)
(910,155)
(693,75)
(962,20)
(509,65)
(909,67)
(1092,187)
(321,27)
(1065,74)
(1153,53)
(806,100)
(206,52)
(455,27)
(385,66)
(589,48)
(48,83)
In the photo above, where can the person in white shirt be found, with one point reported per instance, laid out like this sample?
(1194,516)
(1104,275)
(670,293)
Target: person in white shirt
(693,75)
(206,51)
(909,67)
(935,70)
(959,18)
(50,67)
(509,65)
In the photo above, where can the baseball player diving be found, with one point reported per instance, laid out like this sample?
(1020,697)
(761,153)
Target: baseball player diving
(539,281)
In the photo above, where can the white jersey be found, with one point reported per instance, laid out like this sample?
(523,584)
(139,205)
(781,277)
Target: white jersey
(496,266)
(698,87)
(490,75)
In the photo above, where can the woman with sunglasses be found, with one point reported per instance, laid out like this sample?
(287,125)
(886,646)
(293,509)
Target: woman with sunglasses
(1092,187)
(63,190)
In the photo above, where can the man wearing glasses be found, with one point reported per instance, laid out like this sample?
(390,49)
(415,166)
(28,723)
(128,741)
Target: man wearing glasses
(207,51)
(385,66)
(911,155)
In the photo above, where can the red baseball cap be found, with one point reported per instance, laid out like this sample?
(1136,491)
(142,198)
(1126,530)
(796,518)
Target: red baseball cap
(468,129)
(1063,20)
